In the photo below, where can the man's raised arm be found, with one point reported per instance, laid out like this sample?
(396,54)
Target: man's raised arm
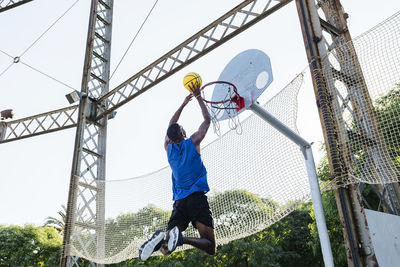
(177,114)
(175,118)
(198,136)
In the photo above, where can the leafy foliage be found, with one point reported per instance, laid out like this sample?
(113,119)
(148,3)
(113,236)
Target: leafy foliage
(29,246)
(240,207)
(286,243)
(388,112)
(58,224)
(127,226)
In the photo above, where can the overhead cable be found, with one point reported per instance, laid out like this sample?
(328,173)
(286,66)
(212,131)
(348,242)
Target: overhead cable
(47,75)
(51,26)
(17,59)
(134,38)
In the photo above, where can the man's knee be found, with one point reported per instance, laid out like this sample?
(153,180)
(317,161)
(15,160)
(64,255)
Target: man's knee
(212,250)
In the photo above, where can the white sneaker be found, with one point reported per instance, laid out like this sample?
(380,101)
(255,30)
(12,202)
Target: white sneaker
(175,239)
(148,247)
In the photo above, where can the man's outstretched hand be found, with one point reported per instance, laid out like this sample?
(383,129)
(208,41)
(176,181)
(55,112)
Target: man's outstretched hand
(196,91)
(187,99)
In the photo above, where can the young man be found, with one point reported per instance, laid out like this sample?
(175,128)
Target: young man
(189,183)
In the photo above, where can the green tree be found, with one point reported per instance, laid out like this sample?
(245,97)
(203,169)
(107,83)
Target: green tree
(29,246)
(293,236)
(57,223)
(121,230)
(236,210)
(388,112)
(286,243)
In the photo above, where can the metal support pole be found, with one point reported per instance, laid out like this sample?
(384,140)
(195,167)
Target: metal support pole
(3,128)
(355,228)
(312,178)
(86,201)
(318,208)
(274,122)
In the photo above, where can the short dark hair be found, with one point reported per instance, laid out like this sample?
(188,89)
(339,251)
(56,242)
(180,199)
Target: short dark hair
(174,132)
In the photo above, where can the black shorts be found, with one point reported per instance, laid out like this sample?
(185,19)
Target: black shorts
(193,208)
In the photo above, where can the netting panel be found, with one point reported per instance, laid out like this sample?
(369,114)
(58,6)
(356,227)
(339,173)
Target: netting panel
(256,178)
(367,95)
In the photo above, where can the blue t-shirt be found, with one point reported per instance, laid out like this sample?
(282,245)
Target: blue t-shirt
(188,172)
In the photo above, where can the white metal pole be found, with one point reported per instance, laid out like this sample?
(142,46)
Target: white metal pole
(318,208)
(312,177)
(277,124)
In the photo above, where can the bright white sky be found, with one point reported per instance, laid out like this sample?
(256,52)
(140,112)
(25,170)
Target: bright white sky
(34,174)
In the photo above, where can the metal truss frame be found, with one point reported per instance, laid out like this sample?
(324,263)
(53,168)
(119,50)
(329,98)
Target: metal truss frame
(86,199)
(212,36)
(356,98)
(48,122)
(325,30)
(322,33)
(86,196)
(215,34)
(8,4)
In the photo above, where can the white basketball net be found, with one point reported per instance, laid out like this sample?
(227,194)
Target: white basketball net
(225,106)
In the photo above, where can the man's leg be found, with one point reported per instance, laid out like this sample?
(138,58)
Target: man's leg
(206,242)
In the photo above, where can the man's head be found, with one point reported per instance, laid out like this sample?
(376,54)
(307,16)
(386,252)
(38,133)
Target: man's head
(176,133)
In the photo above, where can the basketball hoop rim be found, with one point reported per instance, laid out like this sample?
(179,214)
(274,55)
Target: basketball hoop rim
(224,101)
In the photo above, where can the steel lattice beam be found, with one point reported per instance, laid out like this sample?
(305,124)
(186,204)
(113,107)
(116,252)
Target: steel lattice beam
(38,124)
(317,44)
(84,227)
(8,4)
(221,30)
(340,89)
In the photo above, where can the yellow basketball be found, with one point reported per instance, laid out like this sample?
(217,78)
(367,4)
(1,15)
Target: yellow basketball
(192,80)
